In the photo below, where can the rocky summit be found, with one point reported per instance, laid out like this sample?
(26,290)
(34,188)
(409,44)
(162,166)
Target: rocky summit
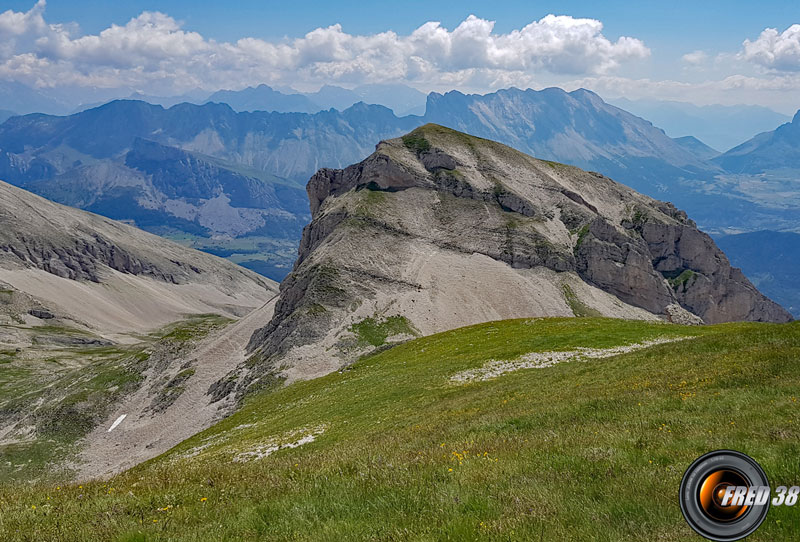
(438,229)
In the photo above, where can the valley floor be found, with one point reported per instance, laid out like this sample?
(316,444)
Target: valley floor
(396,447)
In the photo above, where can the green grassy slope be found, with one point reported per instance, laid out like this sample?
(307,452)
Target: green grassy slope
(579,451)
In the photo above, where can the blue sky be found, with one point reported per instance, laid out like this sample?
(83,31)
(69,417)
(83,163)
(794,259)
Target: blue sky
(650,61)
(703,24)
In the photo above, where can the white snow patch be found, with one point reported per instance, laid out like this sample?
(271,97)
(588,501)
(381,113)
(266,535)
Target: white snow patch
(116,423)
(541,360)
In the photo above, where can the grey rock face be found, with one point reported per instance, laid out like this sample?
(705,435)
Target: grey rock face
(633,266)
(83,259)
(712,289)
(74,244)
(383,229)
(42,314)
(622,265)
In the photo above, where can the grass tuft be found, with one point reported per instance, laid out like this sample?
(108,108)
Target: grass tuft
(375,331)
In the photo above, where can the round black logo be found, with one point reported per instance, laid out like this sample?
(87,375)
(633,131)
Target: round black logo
(725,495)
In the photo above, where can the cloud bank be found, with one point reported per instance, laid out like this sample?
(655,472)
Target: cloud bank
(154,53)
(154,49)
(775,51)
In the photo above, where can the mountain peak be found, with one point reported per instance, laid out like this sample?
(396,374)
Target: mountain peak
(444,137)
(438,215)
(773,150)
(370,112)
(583,93)
(125,105)
(694,145)
(578,128)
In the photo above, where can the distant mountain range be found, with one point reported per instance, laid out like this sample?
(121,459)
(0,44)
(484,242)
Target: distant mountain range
(62,100)
(21,99)
(576,127)
(207,175)
(264,98)
(201,174)
(778,149)
(401,99)
(720,126)
(287,145)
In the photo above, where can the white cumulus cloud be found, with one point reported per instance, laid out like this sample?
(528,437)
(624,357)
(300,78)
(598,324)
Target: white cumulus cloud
(154,49)
(779,51)
(695,58)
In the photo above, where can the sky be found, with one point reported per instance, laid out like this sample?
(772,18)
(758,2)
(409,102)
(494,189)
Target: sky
(702,51)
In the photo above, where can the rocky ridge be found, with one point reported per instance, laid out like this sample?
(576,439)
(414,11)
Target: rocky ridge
(66,264)
(439,229)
